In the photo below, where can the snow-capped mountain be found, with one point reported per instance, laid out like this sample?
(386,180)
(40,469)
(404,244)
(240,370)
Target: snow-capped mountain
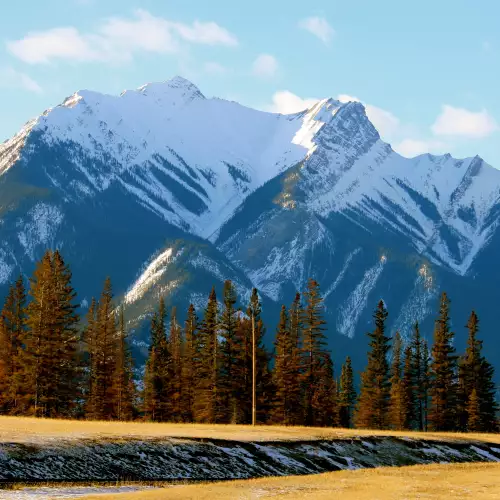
(168,192)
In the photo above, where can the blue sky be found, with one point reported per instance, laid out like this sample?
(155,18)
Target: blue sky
(427,71)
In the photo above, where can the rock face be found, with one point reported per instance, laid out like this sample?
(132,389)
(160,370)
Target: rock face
(171,459)
(170,192)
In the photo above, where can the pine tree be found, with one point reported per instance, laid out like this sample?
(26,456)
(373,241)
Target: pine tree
(419,376)
(12,336)
(50,358)
(473,410)
(285,372)
(325,402)
(313,355)
(398,402)
(443,388)
(88,359)
(410,400)
(228,331)
(207,401)
(374,398)
(188,365)
(124,387)
(426,370)
(295,389)
(346,395)
(475,373)
(158,372)
(101,405)
(175,395)
(264,387)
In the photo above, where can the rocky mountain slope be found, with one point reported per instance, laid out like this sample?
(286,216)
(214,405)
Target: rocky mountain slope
(170,192)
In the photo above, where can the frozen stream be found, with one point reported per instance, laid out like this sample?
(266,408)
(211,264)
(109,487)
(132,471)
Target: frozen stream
(55,493)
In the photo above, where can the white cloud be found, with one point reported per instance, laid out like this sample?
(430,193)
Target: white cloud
(117,40)
(11,78)
(286,102)
(414,147)
(215,68)
(464,123)
(319,27)
(265,66)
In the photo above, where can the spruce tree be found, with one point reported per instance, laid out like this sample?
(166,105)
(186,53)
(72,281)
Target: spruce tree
(12,336)
(398,403)
(410,401)
(426,367)
(419,376)
(158,371)
(88,359)
(124,387)
(313,355)
(188,364)
(175,345)
(285,372)
(443,388)
(228,331)
(295,390)
(476,373)
(50,357)
(374,398)
(207,401)
(346,395)
(473,410)
(101,404)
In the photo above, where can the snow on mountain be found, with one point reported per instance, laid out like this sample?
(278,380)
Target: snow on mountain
(169,191)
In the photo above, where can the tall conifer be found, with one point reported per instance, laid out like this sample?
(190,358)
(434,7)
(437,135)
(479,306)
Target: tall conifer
(374,398)
(346,395)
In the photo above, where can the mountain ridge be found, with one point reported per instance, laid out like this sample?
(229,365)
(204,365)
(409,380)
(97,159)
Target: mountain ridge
(235,193)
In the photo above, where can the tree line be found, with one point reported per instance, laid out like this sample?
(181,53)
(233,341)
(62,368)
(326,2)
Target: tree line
(217,369)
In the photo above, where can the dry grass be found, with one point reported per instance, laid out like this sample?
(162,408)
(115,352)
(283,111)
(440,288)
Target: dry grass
(25,430)
(429,482)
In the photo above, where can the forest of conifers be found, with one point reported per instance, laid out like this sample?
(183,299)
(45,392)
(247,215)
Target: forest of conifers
(55,364)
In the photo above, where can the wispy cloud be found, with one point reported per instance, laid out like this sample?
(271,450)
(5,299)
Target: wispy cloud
(9,77)
(265,66)
(117,40)
(461,122)
(287,102)
(319,27)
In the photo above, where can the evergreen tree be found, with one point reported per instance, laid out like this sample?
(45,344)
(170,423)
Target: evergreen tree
(475,373)
(124,387)
(443,388)
(410,401)
(175,395)
(426,370)
(188,364)
(88,359)
(295,390)
(101,405)
(419,377)
(473,410)
(398,402)
(158,372)
(374,398)
(313,355)
(207,401)
(285,372)
(346,395)
(50,358)
(325,401)
(264,387)
(228,324)
(12,336)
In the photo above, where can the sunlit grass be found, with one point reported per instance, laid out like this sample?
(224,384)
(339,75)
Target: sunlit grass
(21,429)
(429,482)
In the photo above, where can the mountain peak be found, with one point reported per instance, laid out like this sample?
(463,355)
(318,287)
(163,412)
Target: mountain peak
(177,85)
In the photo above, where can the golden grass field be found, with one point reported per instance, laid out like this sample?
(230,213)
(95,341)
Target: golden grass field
(25,430)
(429,482)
